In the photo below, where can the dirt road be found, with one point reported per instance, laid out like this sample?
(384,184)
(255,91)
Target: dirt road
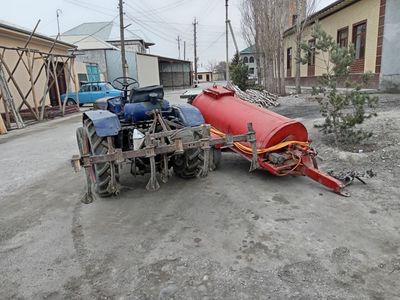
(232,235)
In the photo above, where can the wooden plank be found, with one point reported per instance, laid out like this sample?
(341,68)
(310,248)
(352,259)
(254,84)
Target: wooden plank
(18,88)
(20,55)
(3,129)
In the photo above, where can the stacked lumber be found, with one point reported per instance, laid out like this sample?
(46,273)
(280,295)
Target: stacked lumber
(261,98)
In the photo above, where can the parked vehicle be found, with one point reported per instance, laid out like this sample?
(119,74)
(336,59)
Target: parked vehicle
(144,131)
(90,92)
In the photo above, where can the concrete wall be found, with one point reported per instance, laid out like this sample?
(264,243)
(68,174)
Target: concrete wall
(390,68)
(147,70)
(10,38)
(359,11)
(114,66)
(95,57)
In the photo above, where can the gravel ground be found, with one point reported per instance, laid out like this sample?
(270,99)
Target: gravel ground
(231,235)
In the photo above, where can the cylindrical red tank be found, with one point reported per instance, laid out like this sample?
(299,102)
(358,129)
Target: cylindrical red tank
(225,112)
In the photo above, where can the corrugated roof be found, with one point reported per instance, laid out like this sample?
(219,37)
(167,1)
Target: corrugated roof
(203,70)
(87,42)
(10,26)
(106,31)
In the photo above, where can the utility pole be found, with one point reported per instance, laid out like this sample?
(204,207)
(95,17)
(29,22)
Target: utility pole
(179,46)
(195,48)
(227,39)
(184,50)
(58,11)
(122,35)
(233,37)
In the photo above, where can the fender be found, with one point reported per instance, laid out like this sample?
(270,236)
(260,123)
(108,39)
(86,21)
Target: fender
(189,115)
(105,122)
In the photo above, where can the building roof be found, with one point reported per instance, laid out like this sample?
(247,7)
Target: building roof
(165,59)
(325,12)
(22,30)
(87,42)
(249,50)
(203,70)
(106,31)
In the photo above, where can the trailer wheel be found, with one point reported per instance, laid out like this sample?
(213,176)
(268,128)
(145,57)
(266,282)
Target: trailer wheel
(188,165)
(99,146)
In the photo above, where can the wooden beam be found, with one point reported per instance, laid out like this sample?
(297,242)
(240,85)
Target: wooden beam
(3,129)
(30,71)
(17,87)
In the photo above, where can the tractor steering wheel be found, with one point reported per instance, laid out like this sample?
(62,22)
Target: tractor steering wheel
(123,83)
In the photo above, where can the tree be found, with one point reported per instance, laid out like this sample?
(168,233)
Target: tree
(239,72)
(304,9)
(263,25)
(342,111)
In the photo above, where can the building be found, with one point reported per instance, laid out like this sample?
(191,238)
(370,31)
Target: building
(100,57)
(204,75)
(29,86)
(248,57)
(99,53)
(175,73)
(110,32)
(372,26)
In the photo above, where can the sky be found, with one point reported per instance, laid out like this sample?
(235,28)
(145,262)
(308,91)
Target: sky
(160,21)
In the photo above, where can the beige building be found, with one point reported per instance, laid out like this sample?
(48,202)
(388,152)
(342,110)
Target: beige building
(368,25)
(204,75)
(12,37)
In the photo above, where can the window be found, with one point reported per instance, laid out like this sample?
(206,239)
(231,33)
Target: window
(289,58)
(108,86)
(251,60)
(85,88)
(311,54)
(359,33)
(343,37)
(251,71)
(93,72)
(95,88)
(245,60)
(200,77)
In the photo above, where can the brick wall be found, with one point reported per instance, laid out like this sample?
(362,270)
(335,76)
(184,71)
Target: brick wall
(357,66)
(313,81)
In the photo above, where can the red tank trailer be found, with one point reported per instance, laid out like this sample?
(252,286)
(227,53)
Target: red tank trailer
(283,147)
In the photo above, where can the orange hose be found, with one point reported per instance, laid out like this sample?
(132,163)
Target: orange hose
(248,150)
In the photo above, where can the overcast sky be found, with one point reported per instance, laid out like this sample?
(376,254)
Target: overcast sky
(160,21)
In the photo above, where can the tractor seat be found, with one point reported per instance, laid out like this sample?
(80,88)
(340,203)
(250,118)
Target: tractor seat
(143,94)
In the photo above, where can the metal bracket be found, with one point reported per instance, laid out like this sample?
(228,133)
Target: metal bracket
(251,138)
(153,184)
(205,146)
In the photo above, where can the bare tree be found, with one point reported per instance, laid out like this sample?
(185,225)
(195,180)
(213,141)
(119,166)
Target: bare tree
(304,9)
(263,24)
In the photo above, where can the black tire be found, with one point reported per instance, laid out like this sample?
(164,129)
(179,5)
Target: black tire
(99,146)
(189,164)
(70,102)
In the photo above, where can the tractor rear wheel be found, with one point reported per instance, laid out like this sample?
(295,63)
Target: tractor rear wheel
(99,146)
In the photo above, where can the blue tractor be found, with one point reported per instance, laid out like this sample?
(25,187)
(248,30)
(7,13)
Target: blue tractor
(141,129)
